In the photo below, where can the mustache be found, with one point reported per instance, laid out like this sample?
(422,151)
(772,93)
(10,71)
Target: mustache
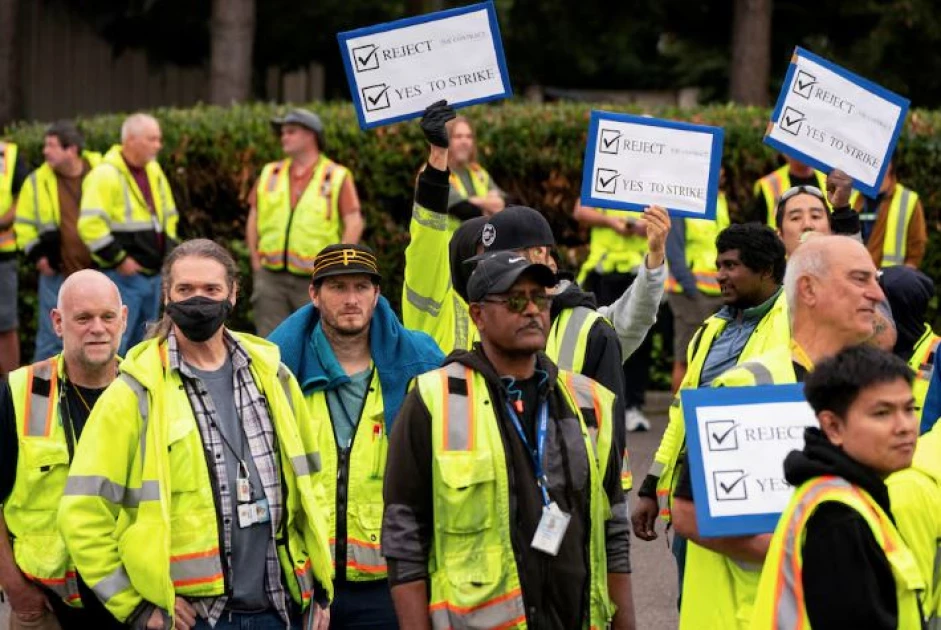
(533,324)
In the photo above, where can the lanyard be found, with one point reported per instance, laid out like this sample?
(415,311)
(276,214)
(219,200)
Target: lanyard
(536,454)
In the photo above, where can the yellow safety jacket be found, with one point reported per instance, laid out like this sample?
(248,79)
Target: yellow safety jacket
(8,153)
(775,184)
(139,515)
(916,494)
(773,331)
(701,252)
(41,470)
(609,252)
(289,239)
(473,574)
(115,220)
(780,603)
(365,471)
(37,210)
(922,363)
(718,591)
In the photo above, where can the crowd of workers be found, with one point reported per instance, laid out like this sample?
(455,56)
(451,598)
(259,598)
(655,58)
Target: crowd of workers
(465,466)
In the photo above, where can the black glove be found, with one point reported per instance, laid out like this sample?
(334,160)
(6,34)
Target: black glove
(433,123)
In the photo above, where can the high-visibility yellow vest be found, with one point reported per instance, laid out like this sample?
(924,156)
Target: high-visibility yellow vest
(477,585)
(773,331)
(701,250)
(922,363)
(609,252)
(367,464)
(41,470)
(901,211)
(775,184)
(916,494)
(139,513)
(113,207)
(8,153)
(780,600)
(480,180)
(719,591)
(37,209)
(290,238)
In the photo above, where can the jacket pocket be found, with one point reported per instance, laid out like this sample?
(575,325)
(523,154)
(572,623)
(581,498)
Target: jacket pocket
(47,468)
(466,500)
(185,451)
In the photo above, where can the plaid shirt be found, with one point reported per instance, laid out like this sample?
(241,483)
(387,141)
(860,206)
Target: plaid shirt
(262,443)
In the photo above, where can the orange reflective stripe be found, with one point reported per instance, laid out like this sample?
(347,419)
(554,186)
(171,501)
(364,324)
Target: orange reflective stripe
(505,611)
(65,587)
(199,567)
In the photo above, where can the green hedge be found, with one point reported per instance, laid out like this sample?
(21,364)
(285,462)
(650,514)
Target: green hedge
(212,156)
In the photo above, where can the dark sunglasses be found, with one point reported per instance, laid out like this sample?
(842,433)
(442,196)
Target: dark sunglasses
(517,302)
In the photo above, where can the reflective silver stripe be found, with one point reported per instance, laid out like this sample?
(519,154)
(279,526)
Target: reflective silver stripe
(100,486)
(898,255)
(761,374)
(501,613)
(192,567)
(284,375)
(573,328)
(429,218)
(365,558)
(458,419)
(306,464)
(94,212)
(133,226)
(422,303)
(788,607)
(584,394)
(39,408)
(100,243)
(24,221)
(150,491)
(656,469)
(113,584)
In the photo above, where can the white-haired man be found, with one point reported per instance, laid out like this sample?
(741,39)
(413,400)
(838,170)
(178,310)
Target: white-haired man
(128,220)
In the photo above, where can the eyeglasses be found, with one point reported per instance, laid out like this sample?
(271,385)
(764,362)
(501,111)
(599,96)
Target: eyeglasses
(517,302)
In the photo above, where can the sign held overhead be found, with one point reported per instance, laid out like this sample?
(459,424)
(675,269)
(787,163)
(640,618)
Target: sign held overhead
(829,118)
(395,70)
(737,440)
(632,162)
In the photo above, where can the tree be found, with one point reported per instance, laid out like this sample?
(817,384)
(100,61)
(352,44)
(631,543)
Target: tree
(232,31)
(9,62)
(751,52)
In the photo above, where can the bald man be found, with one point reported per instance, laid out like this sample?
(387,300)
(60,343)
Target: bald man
(43,409)
(128,221)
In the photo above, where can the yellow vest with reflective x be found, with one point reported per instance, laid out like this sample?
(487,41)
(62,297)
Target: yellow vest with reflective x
(701,250)
(290,238)
(367,464)
(157,518)
(775,184)
(780,604)
(609,252)
(41,470)
(8,152)
(474,578)
(567,345)
(922,363)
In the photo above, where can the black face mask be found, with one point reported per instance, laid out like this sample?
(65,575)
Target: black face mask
(198,318)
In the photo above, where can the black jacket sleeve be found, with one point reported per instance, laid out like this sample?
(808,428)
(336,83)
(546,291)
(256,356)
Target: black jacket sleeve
(845,221)
(20,175)
(408,521)
(603,364)
(9,443)
(464,210)
(432,189)
(617,528)
(846,577)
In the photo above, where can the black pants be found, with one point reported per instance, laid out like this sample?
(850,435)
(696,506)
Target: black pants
(362,605)
(92,615)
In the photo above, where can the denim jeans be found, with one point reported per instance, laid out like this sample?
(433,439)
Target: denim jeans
(141,295)
(362,605)
(679,554)
(248,621)
(48,342)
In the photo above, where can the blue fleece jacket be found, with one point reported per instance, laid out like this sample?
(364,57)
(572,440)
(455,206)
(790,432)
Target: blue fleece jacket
(399,354)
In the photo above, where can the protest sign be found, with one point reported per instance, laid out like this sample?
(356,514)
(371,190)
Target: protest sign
(632,162)
(829,118)
(396,70)
(737,439)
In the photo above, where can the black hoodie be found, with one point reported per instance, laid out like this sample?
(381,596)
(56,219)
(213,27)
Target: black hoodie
(847,579)
(555,589)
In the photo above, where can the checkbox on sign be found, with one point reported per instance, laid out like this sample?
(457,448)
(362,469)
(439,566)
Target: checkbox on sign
(610,141)
(730,485)
(804,84)
(366,57)
(376,97)
(606,181)
(721,435)
(791,121)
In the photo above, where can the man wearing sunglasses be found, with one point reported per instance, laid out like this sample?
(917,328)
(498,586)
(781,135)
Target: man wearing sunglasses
(500,471)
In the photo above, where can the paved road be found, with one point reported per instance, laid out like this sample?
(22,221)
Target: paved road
(654,571)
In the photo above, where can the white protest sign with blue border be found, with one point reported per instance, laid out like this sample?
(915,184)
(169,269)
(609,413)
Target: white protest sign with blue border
(737,439)
(396,70)
(632,162)
(829,118)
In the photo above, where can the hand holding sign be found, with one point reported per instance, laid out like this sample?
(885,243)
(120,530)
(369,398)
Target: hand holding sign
(434,124)
(839,188)
(657,225)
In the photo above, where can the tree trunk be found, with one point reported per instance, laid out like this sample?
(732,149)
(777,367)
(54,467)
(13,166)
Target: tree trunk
(233,38)
(9,62)
(750,73)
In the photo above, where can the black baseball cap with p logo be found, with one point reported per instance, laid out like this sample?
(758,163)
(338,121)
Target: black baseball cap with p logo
(342,260)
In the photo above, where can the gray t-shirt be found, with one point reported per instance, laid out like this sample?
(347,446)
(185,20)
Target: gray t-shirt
(249,544)
(346,405)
